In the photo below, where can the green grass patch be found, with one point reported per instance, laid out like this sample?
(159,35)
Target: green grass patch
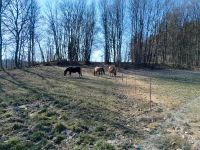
(102,145)
(85,139)
(14,143)
(59,127)
(59,139)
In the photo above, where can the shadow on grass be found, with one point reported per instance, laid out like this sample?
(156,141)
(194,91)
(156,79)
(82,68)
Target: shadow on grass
(104,116)
(32,90)
(1,89)
(58,76)
(182,80)
(84,110)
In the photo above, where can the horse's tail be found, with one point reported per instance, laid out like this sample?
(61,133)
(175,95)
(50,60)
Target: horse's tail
(94,72)
(115,73)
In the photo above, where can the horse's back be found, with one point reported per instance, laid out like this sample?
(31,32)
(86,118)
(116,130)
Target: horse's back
(74,69)
(77,68)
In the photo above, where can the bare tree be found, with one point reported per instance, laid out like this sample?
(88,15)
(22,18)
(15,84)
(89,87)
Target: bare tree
(73,18)
(88,32)
(116,19)
(40,48)
(16,20)
(137,10)
(1,62)
(33,19)
(3,6)
(106,25)
(54,27)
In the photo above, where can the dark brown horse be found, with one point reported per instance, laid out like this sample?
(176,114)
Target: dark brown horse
(99,71)
(112,71)
(73,70)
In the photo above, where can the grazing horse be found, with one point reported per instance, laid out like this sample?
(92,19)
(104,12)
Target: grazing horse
(112,71)
(73,70)
(99,70)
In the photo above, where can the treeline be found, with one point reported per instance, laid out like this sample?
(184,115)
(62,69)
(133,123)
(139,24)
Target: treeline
(69,31)
(142,32)
(165,33)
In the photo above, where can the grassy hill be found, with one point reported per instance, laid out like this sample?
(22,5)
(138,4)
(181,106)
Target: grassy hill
(42,109)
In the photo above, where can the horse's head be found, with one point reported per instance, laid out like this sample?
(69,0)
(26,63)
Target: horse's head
(111,69)
(65,72)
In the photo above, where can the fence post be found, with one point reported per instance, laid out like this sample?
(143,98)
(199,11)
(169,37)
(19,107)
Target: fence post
(126,80)
(135,85)
(122,77)
(150,95)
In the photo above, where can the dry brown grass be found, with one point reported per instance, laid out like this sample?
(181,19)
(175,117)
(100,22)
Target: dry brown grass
(178,94)
(92,108)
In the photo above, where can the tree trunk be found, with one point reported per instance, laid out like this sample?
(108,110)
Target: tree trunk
(1,47)
(42,54)
(17,52)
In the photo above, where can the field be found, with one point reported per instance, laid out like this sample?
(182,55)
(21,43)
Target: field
(42,109)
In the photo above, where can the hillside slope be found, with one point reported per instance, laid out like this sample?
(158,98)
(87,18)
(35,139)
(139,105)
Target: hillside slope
(41,108)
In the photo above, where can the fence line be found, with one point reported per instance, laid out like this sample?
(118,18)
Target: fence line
(135,86)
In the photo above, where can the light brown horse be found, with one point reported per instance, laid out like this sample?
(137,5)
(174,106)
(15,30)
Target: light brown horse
(99,71)
(112,71)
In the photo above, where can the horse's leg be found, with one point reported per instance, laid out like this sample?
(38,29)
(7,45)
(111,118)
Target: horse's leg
(80,74)
(66,73)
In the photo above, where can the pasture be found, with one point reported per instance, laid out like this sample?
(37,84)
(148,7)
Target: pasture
(40,108)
